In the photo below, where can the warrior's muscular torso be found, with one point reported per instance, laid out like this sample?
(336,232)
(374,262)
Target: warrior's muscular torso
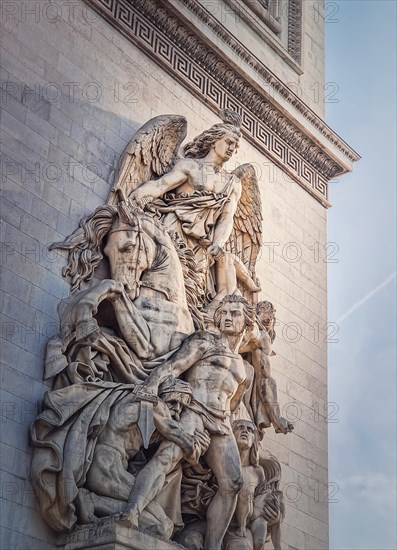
(215,378)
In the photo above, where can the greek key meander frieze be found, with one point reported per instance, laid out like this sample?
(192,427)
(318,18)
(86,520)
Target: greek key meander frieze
(270,78)
(208,76)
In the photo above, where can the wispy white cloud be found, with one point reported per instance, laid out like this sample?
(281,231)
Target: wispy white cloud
(365,298)
(376,488)
(369,504)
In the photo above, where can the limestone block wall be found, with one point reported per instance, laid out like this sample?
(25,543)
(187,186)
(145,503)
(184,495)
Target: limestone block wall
(73,92)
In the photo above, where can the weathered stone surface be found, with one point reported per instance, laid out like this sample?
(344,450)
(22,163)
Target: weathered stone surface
(181,252)
(111,535)
(78,50)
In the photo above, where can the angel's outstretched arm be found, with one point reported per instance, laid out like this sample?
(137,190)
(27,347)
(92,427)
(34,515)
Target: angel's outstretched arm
(156,188)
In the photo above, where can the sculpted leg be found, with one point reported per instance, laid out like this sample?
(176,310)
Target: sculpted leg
(229,269)
(150,480)
(276,536)
(108,476)
(259,531)
(154,520)
(244,275)
(224,460)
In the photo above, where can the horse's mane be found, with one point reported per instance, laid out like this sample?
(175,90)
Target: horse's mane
(85,252)
(194,281)
(84,245)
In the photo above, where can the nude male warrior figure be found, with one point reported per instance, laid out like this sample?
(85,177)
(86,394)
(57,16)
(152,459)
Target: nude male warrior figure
(219,377)
(121,440)
(264,400)
(110,477)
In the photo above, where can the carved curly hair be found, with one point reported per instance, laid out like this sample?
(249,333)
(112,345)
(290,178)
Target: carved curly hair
(85,245)
(200,146)
(248,310)
(269,309)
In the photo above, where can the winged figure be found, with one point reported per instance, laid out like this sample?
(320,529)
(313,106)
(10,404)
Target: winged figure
(245,240)
(151,152)
(163,281)
(216,213)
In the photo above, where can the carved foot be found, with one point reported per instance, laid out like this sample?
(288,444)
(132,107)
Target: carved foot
(253,286)
(85,507)
(86,519)
(128,517)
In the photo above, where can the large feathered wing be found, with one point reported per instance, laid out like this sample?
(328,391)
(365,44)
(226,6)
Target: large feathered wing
(150,154)
(246,238)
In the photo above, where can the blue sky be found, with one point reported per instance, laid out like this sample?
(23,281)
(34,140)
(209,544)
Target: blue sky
(361,59)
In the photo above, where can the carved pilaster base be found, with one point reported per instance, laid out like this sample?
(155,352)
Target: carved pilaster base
(110,534)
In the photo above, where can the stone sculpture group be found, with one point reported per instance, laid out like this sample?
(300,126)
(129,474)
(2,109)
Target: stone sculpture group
(162,385)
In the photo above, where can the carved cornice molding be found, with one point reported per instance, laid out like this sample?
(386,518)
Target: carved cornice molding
(270,78)
(165,38)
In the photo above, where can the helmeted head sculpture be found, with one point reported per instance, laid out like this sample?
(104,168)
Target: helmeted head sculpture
(176,394)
